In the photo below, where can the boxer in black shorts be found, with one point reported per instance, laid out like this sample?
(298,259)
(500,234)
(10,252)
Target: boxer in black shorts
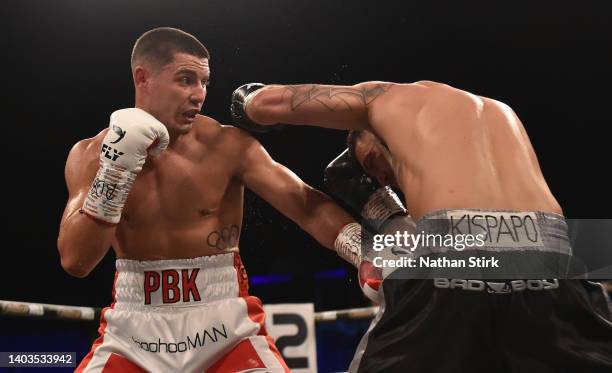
(450,152)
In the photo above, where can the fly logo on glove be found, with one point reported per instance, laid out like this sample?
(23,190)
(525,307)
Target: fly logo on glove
(140,134)
(110,153)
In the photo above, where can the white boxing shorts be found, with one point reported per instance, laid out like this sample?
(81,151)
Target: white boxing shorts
(183,315)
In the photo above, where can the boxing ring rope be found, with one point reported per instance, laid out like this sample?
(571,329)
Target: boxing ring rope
(50,311)
(55,311)
(350,314)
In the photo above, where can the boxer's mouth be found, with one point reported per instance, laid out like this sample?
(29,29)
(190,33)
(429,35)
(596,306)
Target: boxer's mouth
(191,114)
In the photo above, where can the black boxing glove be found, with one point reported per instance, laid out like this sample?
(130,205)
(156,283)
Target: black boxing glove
(381,210)
(347,182)
(240,98)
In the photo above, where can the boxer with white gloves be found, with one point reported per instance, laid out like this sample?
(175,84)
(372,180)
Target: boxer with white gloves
(134,134)
(165,187)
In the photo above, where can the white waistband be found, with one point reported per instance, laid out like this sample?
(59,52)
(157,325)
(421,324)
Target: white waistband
(147,285)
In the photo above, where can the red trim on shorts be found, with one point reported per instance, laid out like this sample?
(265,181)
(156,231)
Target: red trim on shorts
(277,353)
(117,363)
(101,331)
(256,313)
(243,279)
(95,345)
(242,357)
(114,293)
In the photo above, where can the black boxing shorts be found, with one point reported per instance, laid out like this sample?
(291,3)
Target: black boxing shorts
(459,325)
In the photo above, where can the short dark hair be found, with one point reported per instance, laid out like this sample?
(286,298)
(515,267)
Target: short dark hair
(159,45)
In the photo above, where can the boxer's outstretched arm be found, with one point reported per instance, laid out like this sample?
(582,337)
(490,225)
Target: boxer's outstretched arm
(311,209)
(339,107)
(82,241)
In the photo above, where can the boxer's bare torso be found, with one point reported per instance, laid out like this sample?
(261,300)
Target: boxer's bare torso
(186,202)
(452,149)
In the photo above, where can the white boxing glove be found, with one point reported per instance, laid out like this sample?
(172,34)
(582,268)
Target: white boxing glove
(133,135)
(370,279)
(348,245)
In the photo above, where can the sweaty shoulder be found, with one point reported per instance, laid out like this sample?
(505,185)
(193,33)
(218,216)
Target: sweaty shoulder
(407,95)
(83,162)
(208,129)
(89,147)
(215,135)
(413,97)
(400,100)
(236,148)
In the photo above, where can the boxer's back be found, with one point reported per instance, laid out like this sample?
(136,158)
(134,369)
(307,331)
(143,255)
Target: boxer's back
(458,150)
(187,202)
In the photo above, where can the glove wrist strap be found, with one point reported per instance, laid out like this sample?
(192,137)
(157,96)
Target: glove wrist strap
(108,193)
(382,205)
(348,243)
(246,101)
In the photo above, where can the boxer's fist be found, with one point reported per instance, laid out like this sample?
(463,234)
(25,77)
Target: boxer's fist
(240,100)
(370,279)
(346,181)
(133,135)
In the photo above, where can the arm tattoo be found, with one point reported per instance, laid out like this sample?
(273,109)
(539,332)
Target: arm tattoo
(331,98)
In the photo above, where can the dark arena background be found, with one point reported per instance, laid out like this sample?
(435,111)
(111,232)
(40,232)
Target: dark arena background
(66,68)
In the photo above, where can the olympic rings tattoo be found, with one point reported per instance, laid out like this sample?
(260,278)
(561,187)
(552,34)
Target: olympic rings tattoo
(225,238)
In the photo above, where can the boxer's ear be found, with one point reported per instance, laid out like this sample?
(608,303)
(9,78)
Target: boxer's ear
(141,76)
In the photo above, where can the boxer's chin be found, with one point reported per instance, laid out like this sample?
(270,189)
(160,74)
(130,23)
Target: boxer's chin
(184,127)
(184,123)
